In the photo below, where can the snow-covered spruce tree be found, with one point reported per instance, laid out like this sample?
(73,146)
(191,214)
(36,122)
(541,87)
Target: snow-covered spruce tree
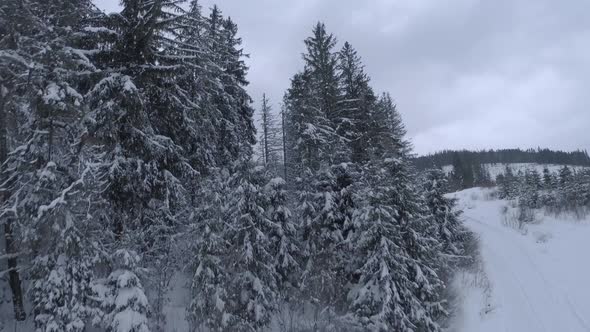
(210,300)
(508,184)
(529,191)
(421,243)
(355,104)
(549,181)
(375,303)
(245,247)
(138,114)
(568,192)
(252,283)
(310,107)
(397,287)
(306,209)
(139,191)
(456,175)
(482,177)
(17,22)
(198,87)
(547,194)
(125,301)
(322,61)
(566,188)
(582,184)
(147,116)
(449,229)
(397,284)
(463,174)
(236,127)
(46,173)
(565,176)
(285,246)
(62,289)
(323,220)
(386,130)
(325,208)
(535,179)
(308,130)
(60,235)
(246,251)
(346,174)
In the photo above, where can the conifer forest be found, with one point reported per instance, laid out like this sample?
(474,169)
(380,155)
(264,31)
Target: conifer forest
(136,166)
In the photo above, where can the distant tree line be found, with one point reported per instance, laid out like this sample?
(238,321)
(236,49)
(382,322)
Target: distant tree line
(541,156)
(468,167)
(467,174)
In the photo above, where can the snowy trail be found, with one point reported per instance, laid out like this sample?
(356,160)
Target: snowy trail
(539,280)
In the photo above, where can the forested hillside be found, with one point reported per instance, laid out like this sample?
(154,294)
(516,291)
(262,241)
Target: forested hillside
(503,156)
(126,145)
(467,169)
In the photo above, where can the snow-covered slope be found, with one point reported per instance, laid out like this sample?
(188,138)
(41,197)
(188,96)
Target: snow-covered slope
(532,279)
(499,168)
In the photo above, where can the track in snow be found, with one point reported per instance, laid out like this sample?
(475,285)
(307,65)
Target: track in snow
(535,286)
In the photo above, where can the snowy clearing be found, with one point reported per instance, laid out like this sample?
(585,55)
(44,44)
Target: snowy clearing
(532,279)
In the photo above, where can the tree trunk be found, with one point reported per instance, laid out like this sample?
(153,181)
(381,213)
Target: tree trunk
(284,144)
(265,125)
(13,275)
(11,249)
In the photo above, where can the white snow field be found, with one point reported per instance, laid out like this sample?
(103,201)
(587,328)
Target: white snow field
(535,278)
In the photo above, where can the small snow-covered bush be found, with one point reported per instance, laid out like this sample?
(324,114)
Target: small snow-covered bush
(577,212)
(490,195)
(127,306)
(504,210)
(542,237)
(526,215)
(518,216)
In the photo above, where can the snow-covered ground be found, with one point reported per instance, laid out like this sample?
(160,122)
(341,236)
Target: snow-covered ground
(499,168)
(531,279)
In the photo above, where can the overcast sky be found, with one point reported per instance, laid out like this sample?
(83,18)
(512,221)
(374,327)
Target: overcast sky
(464,73)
